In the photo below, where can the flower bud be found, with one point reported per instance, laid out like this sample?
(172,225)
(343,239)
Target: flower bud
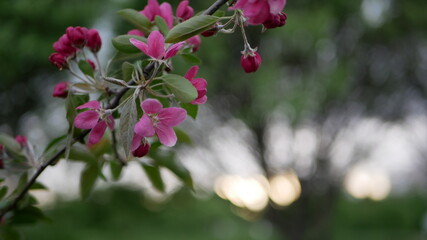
(64,47)
(60,90)
(92,64)
(275,20)
(250,61)
(184,11)
(94,41)
(77,36)
(22,140)
(210,32)
(142,150)
(194,41)
(136,32)
(58,60)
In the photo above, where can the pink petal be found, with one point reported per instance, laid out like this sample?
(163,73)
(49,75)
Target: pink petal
(258,14)
(201,100)
(140,45)
(276,6)
(180,10)
(86,120)
(110,122)
(151,106)
(172,116)
(156,44)
(151,10)
(136,141)
(97,132)
(166,135)
(173,50)
(199,83)
(166,13)
(92,105)
(136,32)
(144,127)
(192,72)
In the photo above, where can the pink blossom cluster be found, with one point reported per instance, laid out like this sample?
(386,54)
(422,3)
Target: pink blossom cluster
(266,12)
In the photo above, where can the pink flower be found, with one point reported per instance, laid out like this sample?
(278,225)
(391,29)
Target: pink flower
(77,36)
(136,32)
(199,83)
(184,11)
(258,11)
(93,119)
(64,47)
(195,41)
(250,61)
(22,140)
(94,41)
(164,10)
(274,21)
(158,120)
(58,60)
(60,90)
(142,149)
(155,46)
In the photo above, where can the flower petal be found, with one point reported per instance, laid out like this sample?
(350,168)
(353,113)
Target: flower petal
(192,72)
(86,120)
(151,106)
(172,116)
(166,13)
(156,44)
(199,83)
(201,100)
(92,105)
(144,127)
(136,142)
(166,135)
(173,50)
(97,132)
(140,45)
(276,6)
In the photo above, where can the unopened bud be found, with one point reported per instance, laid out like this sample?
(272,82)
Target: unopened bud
(77,36)
(22,140)
(195,42)
(250,61)
(208,33)
(92,64)
(94,41)
(58,60)
(275,20)
(64,47)
(142,150)
(60,90)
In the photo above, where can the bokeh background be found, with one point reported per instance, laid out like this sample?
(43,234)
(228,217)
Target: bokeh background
(327,140)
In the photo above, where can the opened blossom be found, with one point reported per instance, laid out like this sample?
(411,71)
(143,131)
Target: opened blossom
(157,121)
(184,11)
(199,83)
(155,46)
(259,11)
(164,10)
(95,120)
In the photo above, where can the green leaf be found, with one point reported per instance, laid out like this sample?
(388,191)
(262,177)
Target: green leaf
(10,144)
(38,186)
(21,184)
(88,179)
(182,136)
(162,25)
(27,215)
(127,71)
(9,233)
(122,43)
(136,18)
(115,169)
(128,120)
(153,173)
(219,13)
(86,68)
(191,27)
(190,58)
(79,152)
(180,87)
(3,192)
(54,143)
(192,109)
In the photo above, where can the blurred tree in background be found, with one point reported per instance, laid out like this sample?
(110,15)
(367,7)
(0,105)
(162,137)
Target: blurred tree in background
(334,63)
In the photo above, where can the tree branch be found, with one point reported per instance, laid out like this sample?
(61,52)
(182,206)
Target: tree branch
(113,103)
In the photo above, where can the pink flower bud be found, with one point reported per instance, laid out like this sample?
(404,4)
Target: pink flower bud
(184,11)
(194,41)
(92,64)
(210,32)
(250,61)
(58,60)
(60,90)
(77,36)
(142,150)
(64,46)
(136,32)
(22,140)
(275,20)
(94,41)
